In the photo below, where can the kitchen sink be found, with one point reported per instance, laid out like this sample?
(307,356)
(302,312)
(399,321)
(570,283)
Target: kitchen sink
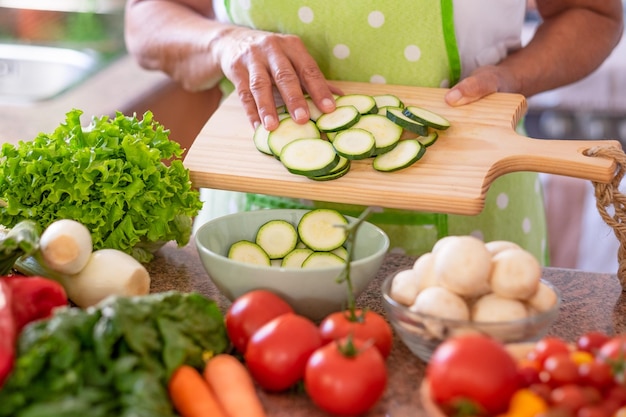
(33,73)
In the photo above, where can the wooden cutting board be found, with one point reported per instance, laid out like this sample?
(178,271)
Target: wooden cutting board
(452,177)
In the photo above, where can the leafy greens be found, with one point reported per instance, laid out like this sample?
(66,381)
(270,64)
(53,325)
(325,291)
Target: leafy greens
(122,178)
(114,359)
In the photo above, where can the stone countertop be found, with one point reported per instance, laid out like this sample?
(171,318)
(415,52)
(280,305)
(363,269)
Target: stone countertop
(115,87)
(590,302)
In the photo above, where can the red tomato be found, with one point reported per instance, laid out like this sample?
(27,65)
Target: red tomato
(277,353)
(614,353)
(570,397)
(368,326)
(614,348)
(346,383)
(591,341)
(251,311)
(596,374)
(547,346)
(559,369)
(476,368)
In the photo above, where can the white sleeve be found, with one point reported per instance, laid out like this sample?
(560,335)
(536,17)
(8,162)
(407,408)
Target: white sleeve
(486,30)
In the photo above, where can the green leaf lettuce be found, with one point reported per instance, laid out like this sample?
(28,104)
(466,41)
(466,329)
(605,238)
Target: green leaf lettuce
(123,178)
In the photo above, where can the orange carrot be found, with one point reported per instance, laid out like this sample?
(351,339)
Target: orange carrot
(191,395)
(233,386)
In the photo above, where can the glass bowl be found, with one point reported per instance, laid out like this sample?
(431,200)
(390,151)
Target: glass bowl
(422,333)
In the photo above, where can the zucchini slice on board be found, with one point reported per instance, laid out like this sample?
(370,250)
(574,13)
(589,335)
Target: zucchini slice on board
(429,139)
(427,117)
(260,139)
(322,259)
(248,252)
(386,133)
(396,115)
(309,157)
(322,229)
(354,143)
(339,119)
(277,238)
(388,100)
(287,131)
(340,170)
(364,104)
(402,156)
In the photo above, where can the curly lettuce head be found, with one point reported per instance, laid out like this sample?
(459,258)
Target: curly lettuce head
(122,178)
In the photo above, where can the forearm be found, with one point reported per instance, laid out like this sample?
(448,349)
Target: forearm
(176,39)
(568,45)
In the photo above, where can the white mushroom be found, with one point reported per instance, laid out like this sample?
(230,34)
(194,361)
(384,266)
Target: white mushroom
(442,242)
(516,273)
(492,308)
(441,303)
(463,265)
(66,246)
(497,246)
(544,298)
(424,266)
(404,286)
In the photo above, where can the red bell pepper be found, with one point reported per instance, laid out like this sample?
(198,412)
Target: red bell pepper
(23,300)
(8,333)
(34,298)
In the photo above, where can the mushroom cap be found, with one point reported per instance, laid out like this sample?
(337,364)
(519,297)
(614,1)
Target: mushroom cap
(516,273)
(463,265)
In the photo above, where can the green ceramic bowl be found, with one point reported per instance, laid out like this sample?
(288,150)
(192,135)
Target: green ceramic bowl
(313,293)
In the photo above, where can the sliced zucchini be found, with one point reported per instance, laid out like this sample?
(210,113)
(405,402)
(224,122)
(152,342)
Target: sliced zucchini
(322,259)
(260,139)
(429,139)
(339,119)
(387,100)
(364,104)
(248,252)
(396,115)
(288,130)
(309,157)
(322,229)
(402,156)
(295,258)
(314,112)
(354,143)
(427,117)
(386,133)
(330,135)
(277,238)
(342,252)
(339,171)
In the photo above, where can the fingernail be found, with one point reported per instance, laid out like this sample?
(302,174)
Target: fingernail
(269,121)
(300,114)
(453,96)
(256,124)
(327,104)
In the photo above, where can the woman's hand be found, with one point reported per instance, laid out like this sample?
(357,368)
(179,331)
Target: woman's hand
(259,64)
(482,82)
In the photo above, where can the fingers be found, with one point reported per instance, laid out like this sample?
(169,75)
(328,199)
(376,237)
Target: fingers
(263,62)
(482,82)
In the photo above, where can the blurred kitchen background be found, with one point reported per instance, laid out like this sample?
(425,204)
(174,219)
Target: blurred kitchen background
(60,54)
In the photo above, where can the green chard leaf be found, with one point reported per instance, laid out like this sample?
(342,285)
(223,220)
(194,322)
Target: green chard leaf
(122,178)
(112,359)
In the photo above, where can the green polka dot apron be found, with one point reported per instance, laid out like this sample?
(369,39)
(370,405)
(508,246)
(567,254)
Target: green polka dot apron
(405,42)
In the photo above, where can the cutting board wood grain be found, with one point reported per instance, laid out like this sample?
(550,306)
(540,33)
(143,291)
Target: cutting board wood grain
(452,177)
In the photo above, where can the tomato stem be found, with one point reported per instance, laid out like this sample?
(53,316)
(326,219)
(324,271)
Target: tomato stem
(351,232)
